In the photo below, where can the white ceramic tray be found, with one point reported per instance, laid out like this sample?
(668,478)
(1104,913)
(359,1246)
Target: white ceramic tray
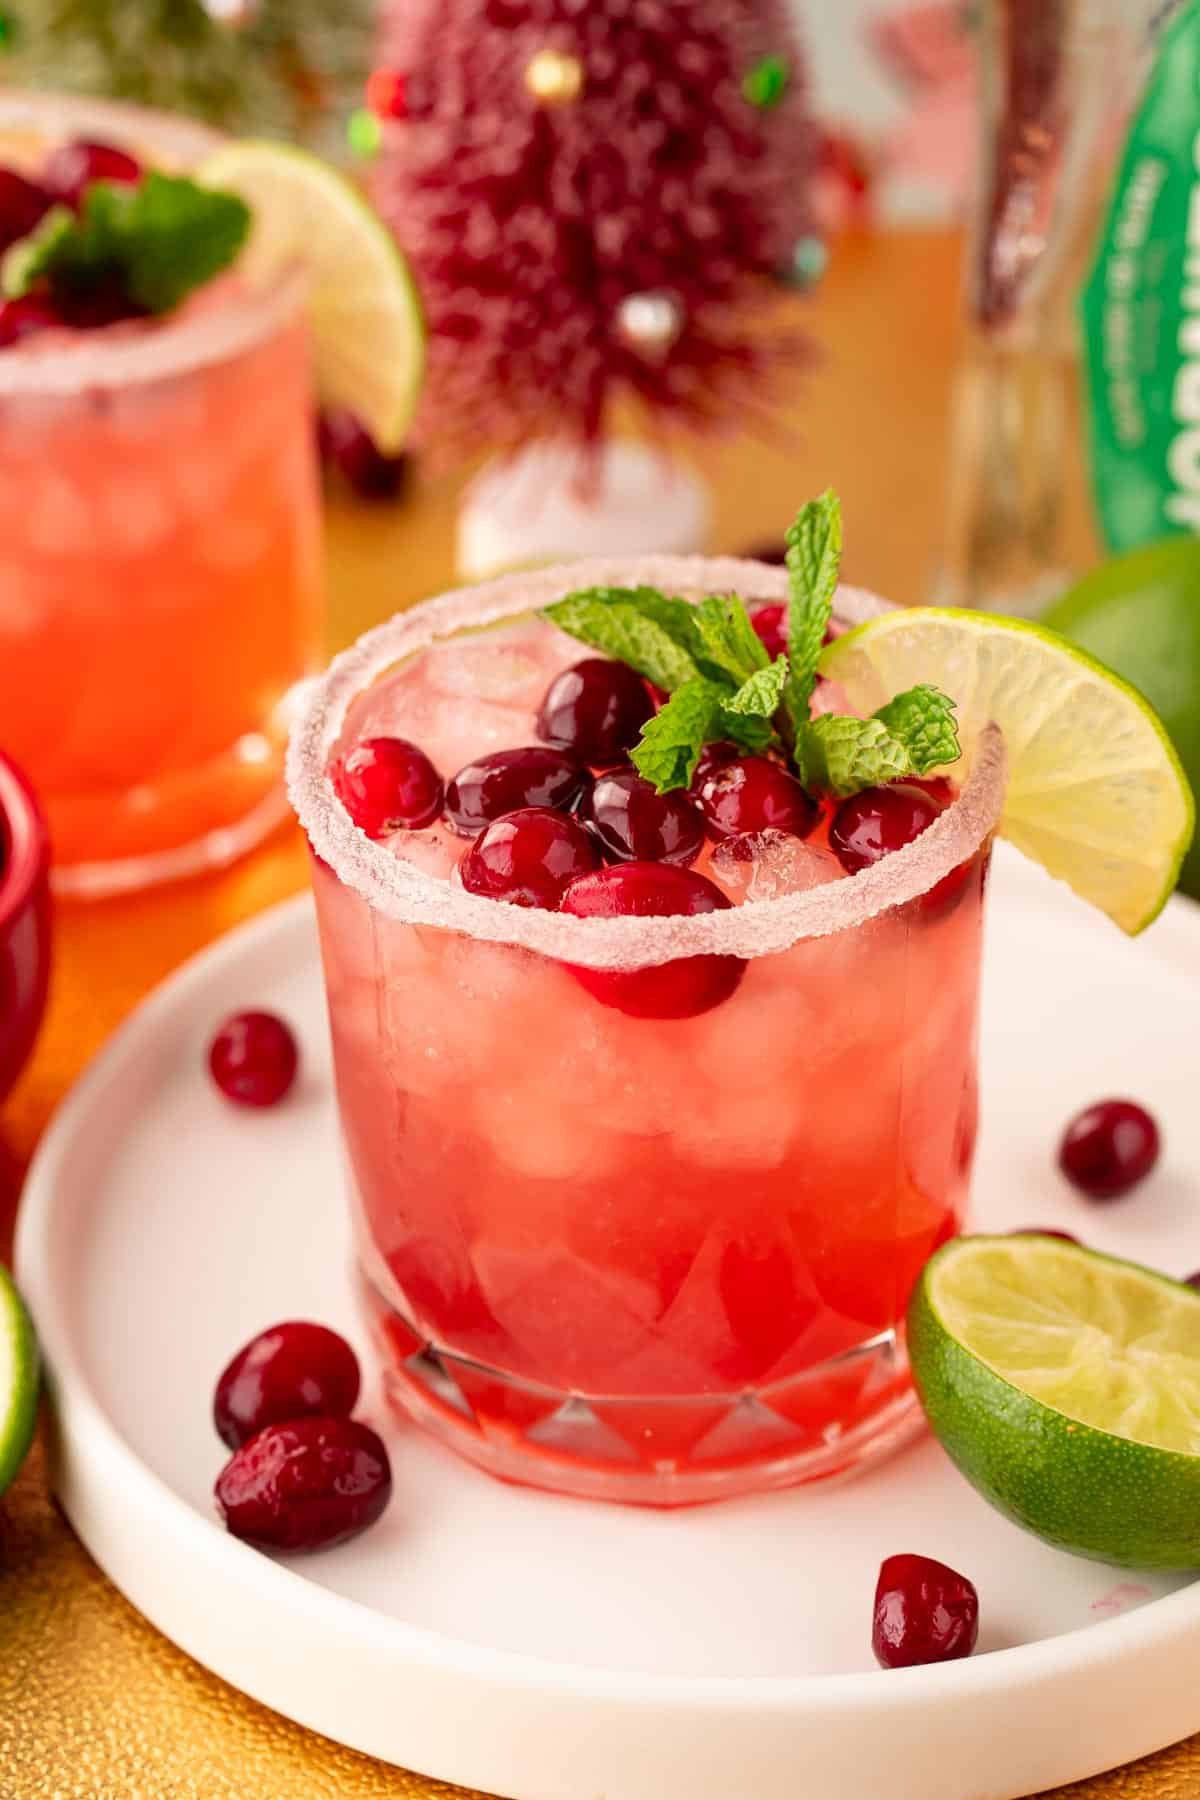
(557,1650)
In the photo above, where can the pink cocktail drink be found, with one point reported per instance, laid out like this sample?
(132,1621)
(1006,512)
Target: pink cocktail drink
(160,560)
(658,1259)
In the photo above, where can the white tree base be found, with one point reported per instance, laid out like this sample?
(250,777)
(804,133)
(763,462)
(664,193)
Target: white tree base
(544,505)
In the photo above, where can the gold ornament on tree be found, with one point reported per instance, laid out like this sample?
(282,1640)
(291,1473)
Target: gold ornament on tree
(554,78)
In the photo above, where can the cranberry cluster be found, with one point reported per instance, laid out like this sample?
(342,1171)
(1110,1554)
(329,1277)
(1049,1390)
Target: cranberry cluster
(304,1475)
(568,825)
(65,177)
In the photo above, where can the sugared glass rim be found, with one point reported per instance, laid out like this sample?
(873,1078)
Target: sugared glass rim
(399,891)
(107,359)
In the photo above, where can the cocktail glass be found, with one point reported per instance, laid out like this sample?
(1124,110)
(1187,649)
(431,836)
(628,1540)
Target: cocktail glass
(159,553)
(644,1260)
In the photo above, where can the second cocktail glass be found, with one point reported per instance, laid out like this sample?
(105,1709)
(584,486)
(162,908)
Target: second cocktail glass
(159,576)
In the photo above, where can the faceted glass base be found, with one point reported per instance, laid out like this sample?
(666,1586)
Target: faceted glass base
(674,1450)
(213,849)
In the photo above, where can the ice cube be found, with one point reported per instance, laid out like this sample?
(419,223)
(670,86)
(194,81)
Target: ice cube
(59,519)
(137,514)
(22,607)
(753,1134)
(483,669)
(435,851)
(531,1134)
(495,975)
(451,732)
(461,730)
(767,865)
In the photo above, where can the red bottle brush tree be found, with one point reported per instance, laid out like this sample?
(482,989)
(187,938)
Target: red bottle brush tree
(599,197)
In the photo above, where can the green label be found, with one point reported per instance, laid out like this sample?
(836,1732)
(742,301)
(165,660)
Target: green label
(1140,312)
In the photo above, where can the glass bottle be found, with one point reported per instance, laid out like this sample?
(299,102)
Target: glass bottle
(1057,81)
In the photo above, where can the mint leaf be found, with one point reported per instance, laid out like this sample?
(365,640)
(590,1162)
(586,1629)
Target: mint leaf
(759,697)
(742,729)
(671,742)
(638,626)
(155,243)
(846,755)
(796,705)
(726,643)
(814,554)
(711,662)
(923,720)
(178,236)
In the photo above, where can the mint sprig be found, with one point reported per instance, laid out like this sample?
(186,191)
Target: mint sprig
(814,556)
(760,694)
(923,720)
(672,740)
(845,754)
(711,662)
(727,647)
(651,632)
(154,243)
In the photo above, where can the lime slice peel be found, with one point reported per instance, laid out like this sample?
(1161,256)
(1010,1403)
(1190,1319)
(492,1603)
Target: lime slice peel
(19,1381)
(1096,792)
(365,314)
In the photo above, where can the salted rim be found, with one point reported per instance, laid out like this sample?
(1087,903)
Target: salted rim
(399,891)
(96,359)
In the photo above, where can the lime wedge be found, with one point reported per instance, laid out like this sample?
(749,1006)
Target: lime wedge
(368,332)
(1140,614)
(1096,793)
(1066,1387)
(18,1381)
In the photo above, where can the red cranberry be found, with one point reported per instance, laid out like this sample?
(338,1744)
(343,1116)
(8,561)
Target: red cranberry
(878,821)
(711,758)
(1192,1281)
(1109,1148)
(634,823)
(22,318)
(528,857)
(72,168)
(674,990)
(754,794)
(387,784)
(924,1613)
(595,709)
(346,445)
(507,780)
(253,1059)
(23,205)
(938,787)
(770,622)
(944,895)
(305,1484)
(288,1372)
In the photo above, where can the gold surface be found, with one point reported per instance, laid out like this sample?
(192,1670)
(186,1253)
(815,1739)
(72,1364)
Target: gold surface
(94,1704)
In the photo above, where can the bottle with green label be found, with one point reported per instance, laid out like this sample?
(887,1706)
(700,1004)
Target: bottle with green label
(1140,311)
(1067,436)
